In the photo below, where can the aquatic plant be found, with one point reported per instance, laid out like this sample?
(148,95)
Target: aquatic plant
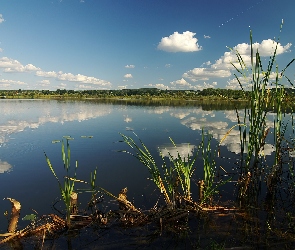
(145,157)
(266,95)
(167,177)
(67,188)
(181,169)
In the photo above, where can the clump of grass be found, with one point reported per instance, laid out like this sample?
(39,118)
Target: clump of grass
(67,188)
(170,178)
(267,95)
(173,177)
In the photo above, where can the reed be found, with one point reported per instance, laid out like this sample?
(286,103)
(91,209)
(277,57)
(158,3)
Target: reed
(182,169)
(66,188)
(267,96)
(173,179)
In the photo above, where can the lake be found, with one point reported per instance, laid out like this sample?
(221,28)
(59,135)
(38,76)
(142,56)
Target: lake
(28,128)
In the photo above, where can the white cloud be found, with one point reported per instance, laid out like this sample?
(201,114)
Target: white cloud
(11,82)
(205,73)
(207,63)
(128,76)
(265,48)
(11,65)
(63,86)
(46,74)
(205,85)
(180,82)
(44,83)
(131,66)
(122,87)
(185,42)
(1,18)
(1,50)
(246,81)
(168,65)
(158,86)
(73,78)
(223,66)
(207,36)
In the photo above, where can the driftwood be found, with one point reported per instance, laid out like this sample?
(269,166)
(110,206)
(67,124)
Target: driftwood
(124,204)
(14,216)
(74,203)
(49,224)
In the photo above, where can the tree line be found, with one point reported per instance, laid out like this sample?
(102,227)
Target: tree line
(141,93)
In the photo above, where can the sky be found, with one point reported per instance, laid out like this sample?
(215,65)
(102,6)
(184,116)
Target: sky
(119,44)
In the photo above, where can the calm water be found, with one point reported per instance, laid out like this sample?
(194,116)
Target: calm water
(28,127)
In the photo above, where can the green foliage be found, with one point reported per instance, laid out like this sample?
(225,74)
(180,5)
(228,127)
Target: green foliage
(30,217)
(67,188)
(266,95)
(180,170)
(174,177)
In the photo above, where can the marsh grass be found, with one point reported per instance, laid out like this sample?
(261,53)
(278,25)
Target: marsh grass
(173,176)
(67,188)
(267,95)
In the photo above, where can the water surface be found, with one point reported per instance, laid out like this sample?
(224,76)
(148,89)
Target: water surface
(28,127)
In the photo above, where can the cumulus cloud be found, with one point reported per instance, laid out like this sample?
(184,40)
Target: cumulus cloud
(180,82)
(1,18)
(206,63)
(223,66)
(158,86)
(131,66)
(206,36)
(265,48)
(185,42)
(44,83)
(246,81)
(128,76)
(46,74)
(205,73)
(73,78)
(4,82)
(11,65)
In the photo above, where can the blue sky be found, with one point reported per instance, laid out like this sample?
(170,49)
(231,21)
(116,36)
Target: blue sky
(115,44)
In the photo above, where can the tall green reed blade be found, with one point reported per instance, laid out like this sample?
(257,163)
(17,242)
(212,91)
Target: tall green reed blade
(184,168)
(169,176)
(144,156)
(67,188)
(209,168)
(262,101)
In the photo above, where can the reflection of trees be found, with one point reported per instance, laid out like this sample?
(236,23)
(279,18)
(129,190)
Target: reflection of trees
(4,167)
